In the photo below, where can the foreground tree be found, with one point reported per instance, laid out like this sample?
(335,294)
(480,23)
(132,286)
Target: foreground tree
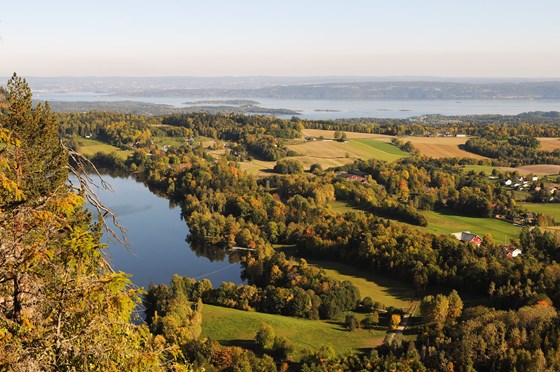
(61,305)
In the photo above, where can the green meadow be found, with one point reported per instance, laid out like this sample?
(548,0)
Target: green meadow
(90,147)
(389,292)
(231,327)
(444,222)
(549,209)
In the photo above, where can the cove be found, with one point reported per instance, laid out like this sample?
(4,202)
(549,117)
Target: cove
(158,239)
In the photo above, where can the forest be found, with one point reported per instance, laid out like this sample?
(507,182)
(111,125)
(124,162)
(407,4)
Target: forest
(62,307)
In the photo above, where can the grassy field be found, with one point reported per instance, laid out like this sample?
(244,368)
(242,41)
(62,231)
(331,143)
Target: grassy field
(389,292)
(479,168)
(383,150)
(169,141)
(549,209)
(342,207)
(233,327)
(443,222)
(259,168)
(90,147)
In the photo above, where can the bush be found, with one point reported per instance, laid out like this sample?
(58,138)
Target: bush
(288,166)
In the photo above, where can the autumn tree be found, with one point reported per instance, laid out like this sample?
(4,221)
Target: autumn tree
(62,307)
(394,321)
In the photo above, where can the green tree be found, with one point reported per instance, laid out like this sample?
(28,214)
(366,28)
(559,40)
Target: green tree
(288,166)
(282,348)
(264,339)
(351,322)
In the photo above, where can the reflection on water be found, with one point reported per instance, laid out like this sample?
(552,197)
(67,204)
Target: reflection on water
(158,239)
(214,253)
(123,210)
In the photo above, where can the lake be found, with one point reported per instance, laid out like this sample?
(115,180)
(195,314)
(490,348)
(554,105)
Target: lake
(342,108)
(157,238)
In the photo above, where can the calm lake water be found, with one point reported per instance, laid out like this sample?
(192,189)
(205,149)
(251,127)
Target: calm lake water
(338,108)
(157,237)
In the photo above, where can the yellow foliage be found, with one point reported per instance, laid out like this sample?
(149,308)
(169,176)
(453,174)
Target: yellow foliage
(67,204)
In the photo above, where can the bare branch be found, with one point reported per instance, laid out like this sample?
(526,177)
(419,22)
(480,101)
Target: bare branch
(83,173)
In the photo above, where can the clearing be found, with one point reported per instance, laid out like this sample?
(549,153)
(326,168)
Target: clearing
(231,327)
(388,291)
(445,222)
(90,147)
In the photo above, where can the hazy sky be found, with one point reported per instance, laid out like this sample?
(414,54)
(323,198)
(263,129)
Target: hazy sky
(489,38)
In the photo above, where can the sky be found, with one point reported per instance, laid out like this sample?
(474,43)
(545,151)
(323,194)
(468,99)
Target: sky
(489,38)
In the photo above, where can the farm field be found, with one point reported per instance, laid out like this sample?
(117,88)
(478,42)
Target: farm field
(549,144)
(90,147)
(331,154)
(233,327)
(536,169)
(443,222)
(441,147)
(389,292)
(436,147)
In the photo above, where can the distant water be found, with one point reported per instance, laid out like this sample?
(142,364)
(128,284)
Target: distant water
(157,237)
(340,108)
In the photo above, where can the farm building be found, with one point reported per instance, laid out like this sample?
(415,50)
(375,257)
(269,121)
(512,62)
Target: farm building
(510,251)
(466,236)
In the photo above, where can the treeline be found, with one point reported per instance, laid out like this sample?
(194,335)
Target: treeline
(489,126)
(276,285)
(404,187)
(126,131)
(514,151)
(262,136)
(536,124)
